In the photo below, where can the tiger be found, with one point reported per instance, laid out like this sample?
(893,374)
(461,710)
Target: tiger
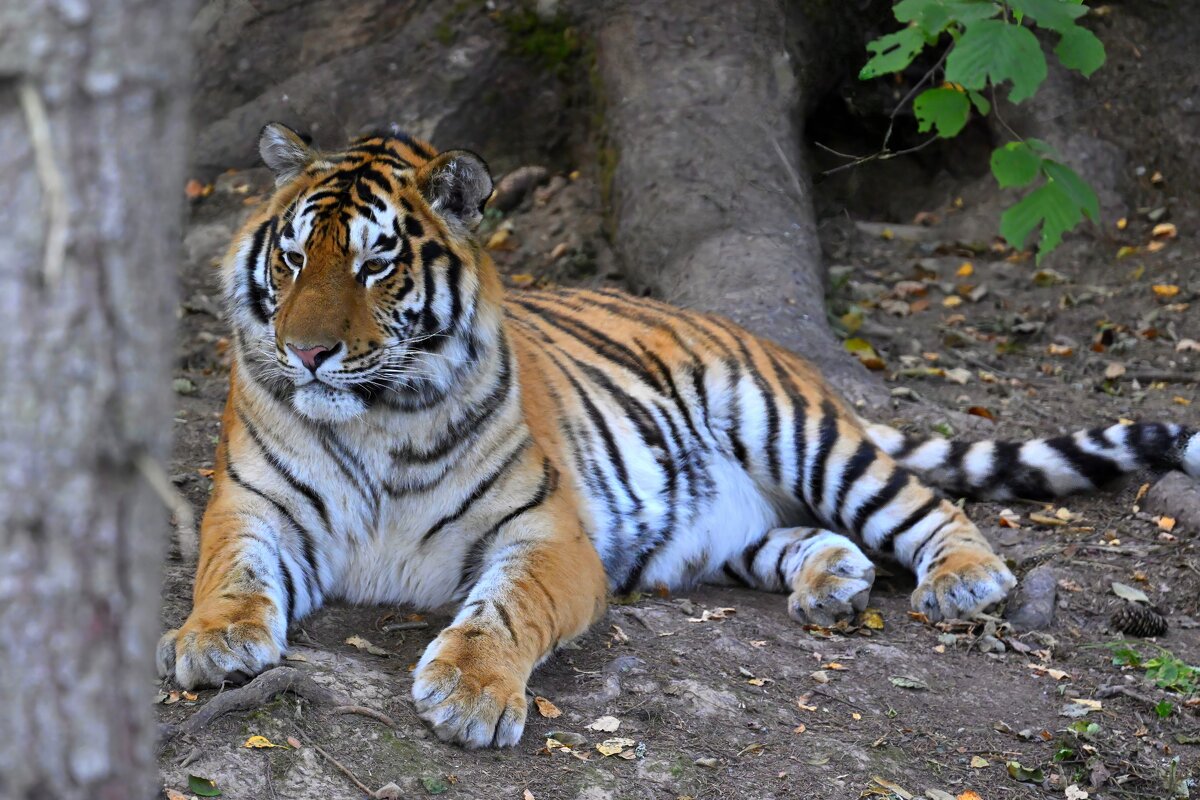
(399,429)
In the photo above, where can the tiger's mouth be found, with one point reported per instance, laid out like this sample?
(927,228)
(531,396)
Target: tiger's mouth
(321,402)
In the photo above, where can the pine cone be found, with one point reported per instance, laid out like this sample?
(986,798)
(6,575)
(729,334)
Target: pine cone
(1139,620)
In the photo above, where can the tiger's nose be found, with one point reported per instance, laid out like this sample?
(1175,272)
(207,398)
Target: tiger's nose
(315,356)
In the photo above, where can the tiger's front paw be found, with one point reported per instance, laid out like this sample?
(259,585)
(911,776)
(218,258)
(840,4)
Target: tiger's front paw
(469,691)
(962,585)
(212,647)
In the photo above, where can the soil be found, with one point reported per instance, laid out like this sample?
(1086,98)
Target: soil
(749,704)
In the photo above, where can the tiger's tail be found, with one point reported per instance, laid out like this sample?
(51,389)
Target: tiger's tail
(1042,469)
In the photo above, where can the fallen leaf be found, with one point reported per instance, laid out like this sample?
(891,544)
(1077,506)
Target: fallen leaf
(1165,289)
(1122,224)
(366,647)
(894,788)
(979,762)
(1155,246)
(174,795)
(435,785)
(1046,519)
(1010,519)
(499,240)
(1060,350)
(1166,523)
(610,747)
(820,676)
(965,270)
(871,618)
(203,787)
(1187,346)
(969,795)
(958,375)
(527,795)
(294,742)
(715,613)
(546,708)
(1075,793)
(707,761)
(1164,230)
(605,724)
(953,301)
(521,280)
(1114,370)
(981,411)
(905,682)
(1019,772)
(260,743)
(1129,593)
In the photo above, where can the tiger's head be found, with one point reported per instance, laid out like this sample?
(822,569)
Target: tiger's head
(362,281)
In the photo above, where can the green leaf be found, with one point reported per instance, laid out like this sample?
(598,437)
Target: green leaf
(1015,164)
(1054,15)
(905,682)
(435,785)
(1164,709)
(893,52)
(1019,772)
(981,103)
(934,16)
(1080,50)
(1048,206)
(948,109)
(1076,187)
(998,51)
(203,787)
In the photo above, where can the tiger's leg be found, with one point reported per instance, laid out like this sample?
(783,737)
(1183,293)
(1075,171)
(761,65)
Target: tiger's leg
(540,583)
(256,573)
(828,575)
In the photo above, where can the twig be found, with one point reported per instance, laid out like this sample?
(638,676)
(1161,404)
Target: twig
(378,716)
(270,779)
(336,763)
(1116,689)
(173,499)
(1160,376)
(54,198)
(404,626)
(887,137)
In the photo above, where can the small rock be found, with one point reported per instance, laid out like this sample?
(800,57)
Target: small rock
(389,791)
(1031,606)
(514,186)
(568,738)
(1176,495)
(183,386)
(707,761)
(990,644)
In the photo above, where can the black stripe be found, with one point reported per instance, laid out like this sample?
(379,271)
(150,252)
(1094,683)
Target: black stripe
(751,553)
(886,494)
(858,465)
(479,491)
(473,562)
(826,439)
(306,541)
(290,477)
(258,302)
(888,544)
(771,442)
(507,620)
(916,553)
(1095,468)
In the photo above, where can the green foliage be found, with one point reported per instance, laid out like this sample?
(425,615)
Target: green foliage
(992,43)
(1164,670)
(552,43)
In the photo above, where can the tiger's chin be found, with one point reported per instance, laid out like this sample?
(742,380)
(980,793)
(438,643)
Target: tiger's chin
(323,403)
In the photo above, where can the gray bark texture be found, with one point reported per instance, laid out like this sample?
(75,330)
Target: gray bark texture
(711,203)
(93,131)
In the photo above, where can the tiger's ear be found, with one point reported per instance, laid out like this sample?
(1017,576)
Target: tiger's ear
(284,151)
(456,184)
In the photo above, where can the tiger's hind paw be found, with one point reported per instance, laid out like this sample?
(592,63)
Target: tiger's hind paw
(833,585)
(963,585)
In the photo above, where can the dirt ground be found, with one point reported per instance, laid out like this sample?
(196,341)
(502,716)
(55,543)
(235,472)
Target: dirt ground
(748,704)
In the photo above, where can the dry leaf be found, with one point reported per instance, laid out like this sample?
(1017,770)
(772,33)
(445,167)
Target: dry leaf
(294,742)
(872,618)
(894,788)
(715,613)
(1187,346)
(366,647)
(1060,350)
(1155,246)
(1165,289)
(981,411)
(1046,519)
(528,795)
(546,708)
(969,795)
(605,724)
(1129,593)
(820,676)
(979,762)
(1164,230)
(1114,371)
(259,743)
(1010,519)
(953,301)
(965,270)
(610,747)
(958,375)
(1122,224)
(1166,523)
(174,795)
(521,280)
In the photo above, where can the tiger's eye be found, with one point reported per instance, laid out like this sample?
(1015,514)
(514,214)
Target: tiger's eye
(294,259)
(376,265)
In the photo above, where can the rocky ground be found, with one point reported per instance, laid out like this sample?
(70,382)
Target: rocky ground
(717,693)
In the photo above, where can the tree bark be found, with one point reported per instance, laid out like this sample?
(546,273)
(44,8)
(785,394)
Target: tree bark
(92,117)
(711,204)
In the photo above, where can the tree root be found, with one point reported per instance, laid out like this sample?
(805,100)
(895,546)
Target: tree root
(256,693)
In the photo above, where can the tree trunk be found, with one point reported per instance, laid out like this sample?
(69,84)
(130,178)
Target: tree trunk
(710,200)
(92,117)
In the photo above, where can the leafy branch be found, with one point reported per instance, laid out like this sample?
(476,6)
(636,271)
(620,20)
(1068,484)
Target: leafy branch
(992,43)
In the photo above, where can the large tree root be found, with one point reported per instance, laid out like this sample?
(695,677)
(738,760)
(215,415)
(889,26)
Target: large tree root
(258,692)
